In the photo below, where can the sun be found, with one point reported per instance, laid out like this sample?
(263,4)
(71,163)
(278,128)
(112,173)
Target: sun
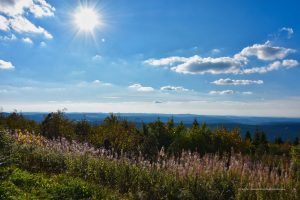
(86,19)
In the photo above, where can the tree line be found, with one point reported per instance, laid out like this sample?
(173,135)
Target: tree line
(123,135)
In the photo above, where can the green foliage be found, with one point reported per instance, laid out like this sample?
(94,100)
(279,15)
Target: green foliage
(83,130)
(56,125)
(248,136)
(5,142)
(161,132)
(17,121)
(120,134)
(296,161)
(43,173)
(20,184)
(36,159)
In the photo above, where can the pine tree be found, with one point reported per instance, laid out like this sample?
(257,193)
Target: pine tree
(248,136)
(278,140)
(195,124)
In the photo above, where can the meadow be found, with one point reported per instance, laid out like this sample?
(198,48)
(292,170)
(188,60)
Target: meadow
(37,166)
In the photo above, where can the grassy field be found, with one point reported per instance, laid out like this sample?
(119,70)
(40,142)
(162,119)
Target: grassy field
(33,167)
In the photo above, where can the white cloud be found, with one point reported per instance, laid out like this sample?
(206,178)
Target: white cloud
(39,8)
(247,93)
(17,12)
(43,44)
(199,65)
(264,52)
(222,92)
(229,81)
(12,37)
(4,24)
(289,31)
(23,25)
(287,64)
(97,57)
(166,61)
(140,88)
(216,51)
(27,40)
(228,92)
(95,83)
(98,82)
(227,65)
(174,88)
(6,65)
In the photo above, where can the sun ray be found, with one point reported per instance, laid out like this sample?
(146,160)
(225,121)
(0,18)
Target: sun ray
(86,19)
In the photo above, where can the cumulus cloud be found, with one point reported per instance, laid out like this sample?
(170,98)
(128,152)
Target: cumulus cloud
(140,88)
(166,61)
(285,64)
(98,82)
(199,65)
(39,8)
(229,81)
(27,40)
(289,31)
(12,37)
(174,88)
(290,63)
(23,25)
(17,11)
(222,92)
(264,51)
(4,23)
(5,65)
(225,65)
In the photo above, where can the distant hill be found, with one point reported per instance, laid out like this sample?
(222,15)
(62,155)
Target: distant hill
(287,128)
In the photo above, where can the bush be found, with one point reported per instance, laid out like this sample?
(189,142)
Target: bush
(20,184)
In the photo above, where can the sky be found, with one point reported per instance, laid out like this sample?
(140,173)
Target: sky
(207,57)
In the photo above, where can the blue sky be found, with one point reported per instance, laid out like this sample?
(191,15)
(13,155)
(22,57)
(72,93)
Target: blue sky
(201,57)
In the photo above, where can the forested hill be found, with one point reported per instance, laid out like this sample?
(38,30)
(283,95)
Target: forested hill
(286,128)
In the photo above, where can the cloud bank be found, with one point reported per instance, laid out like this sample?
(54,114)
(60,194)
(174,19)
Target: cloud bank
(222,92)
(15,12)
(285,64)
(229,81)
(230,65)
(174,88)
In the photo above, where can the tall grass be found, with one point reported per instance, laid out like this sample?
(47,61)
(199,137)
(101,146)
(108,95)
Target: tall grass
(187,176)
